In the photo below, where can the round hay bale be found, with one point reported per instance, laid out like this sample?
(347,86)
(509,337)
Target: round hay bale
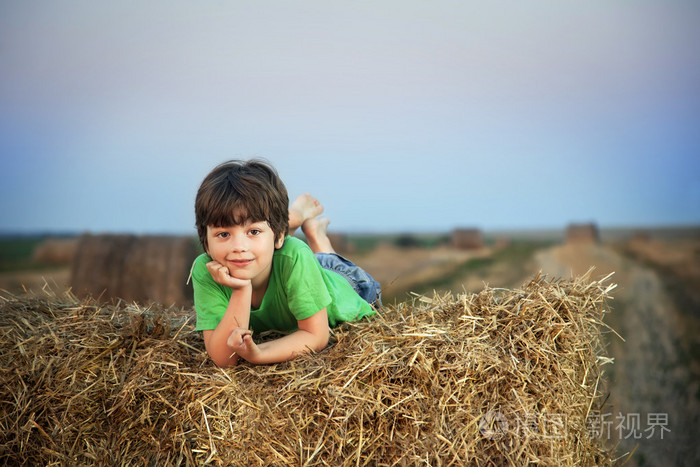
(55,251)
(134,268)
(467,239)
(494,378)
(582,233)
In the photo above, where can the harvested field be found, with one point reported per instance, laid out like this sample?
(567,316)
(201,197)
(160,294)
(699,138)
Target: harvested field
(400,270)
(500,377)
(30,282)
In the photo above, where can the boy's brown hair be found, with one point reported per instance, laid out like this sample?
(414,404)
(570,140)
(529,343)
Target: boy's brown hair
(239,191)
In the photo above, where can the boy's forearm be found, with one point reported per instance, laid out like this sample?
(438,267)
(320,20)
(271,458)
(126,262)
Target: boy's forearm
(290,346)
(237,315)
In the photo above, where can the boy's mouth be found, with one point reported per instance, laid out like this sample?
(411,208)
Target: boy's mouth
(240,262)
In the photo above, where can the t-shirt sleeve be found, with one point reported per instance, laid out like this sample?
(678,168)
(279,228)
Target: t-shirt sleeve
(306,290)
(210,298)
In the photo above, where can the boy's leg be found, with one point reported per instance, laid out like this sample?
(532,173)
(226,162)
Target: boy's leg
(303,208)
(315,230)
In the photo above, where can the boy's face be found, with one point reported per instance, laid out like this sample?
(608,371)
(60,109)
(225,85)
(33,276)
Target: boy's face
(246,250)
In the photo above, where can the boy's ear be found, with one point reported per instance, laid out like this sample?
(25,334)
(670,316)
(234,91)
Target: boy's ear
(279,242)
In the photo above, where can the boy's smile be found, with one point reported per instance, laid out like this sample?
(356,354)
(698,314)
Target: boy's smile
(246,250)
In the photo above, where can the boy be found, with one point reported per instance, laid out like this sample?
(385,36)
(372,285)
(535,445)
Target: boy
(255,275)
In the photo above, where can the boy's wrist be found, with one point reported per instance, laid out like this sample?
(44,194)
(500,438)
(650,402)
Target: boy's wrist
(244,286)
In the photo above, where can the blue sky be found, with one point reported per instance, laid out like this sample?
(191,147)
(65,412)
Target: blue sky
(398,115)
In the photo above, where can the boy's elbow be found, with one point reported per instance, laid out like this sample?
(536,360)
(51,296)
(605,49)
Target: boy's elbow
(223,361)
(316,340)
(227,363)
(321,345)
(317,331)
(322,340)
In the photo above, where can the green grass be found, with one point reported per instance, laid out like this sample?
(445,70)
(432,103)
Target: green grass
(16,253)
(363,243)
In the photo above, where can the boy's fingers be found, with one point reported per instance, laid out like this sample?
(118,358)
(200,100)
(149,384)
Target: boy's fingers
(238,335)
(216,266)
(248,342)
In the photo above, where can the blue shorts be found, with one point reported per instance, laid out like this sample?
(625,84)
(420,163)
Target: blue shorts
(365,286)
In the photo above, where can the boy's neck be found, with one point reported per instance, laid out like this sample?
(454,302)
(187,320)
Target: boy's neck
(258,293)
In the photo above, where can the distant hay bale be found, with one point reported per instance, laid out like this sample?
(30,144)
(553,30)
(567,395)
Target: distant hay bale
(582,233)
(640,236)
(494,378)
(134,268)
(55,251)
(467,239)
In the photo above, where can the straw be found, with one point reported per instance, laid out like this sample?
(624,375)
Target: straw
(500,377)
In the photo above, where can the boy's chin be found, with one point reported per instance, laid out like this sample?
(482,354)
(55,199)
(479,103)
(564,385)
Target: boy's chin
(239,276)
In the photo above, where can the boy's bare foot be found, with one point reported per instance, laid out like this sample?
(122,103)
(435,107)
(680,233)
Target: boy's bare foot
(316,232)
(303,208)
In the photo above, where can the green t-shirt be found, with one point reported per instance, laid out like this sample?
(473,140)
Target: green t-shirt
(298,288)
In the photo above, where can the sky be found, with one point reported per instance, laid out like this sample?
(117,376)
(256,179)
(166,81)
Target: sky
(399,116)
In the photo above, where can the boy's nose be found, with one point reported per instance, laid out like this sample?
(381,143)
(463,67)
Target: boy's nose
(239,243)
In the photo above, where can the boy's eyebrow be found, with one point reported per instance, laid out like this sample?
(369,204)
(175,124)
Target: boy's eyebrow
(264,223)
(244,223)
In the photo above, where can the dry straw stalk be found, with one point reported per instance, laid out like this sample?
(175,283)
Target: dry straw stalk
(502,377)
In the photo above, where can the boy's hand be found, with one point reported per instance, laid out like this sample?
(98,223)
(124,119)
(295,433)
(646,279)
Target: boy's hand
(221,275)
(241,342)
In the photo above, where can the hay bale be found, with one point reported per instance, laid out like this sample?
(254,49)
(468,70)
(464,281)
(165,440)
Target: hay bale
(55,251)
(134,268)
(468,379)
(582,233)
(640,236)
(467,239)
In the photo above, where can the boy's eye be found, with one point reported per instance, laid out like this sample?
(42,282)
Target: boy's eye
(222,235)
(254,231)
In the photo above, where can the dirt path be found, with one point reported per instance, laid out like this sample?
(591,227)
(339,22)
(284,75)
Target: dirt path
(652,386)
